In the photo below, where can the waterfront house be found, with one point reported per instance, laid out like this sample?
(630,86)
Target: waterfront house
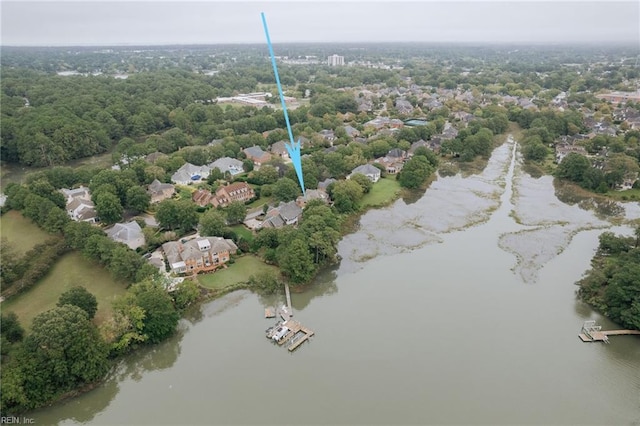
(370,171)
(284,214)
(200,254)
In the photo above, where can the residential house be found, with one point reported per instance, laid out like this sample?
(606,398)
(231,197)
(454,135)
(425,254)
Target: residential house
(404,106)
(322,186)
(200,254)
(284,214)
(79,205)
(203,197)
(225,195)
(397,154)
(279,149)
(257,155)
(312,194)
(237,191)
(190,173)
(328,135)
(370,171)
(351,131)
(562,150)
(449,132)
(227,165)
(154,157)
(128,233)
(160,191)
(416,145)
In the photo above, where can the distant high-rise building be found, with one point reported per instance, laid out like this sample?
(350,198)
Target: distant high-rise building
(335,60)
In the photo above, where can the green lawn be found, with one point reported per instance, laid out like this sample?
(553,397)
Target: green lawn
(71,270)
(239,272)
(627,195)
(20,231)
(383,192)
(243,232)
(259,202)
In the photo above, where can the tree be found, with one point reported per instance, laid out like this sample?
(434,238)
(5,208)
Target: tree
(10,327)
(345,195)
(212,223)
(535,152)
(364,182)
(185,294)
(296,262)
(64,350)
(137,199)
(415,172)
(80,297)
(236,212)
(573,167)
(108,207)
(247,165)
(161,317)
(286,189)
(174,214)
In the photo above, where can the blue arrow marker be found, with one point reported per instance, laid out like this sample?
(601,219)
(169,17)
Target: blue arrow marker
(293,148)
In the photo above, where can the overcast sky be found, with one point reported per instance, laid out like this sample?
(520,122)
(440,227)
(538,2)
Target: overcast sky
(53,23)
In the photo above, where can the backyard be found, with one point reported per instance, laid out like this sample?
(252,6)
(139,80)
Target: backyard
(382,193)
(238,272)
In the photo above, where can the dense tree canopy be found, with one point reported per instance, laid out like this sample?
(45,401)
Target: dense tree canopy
(613,285)
(80,297)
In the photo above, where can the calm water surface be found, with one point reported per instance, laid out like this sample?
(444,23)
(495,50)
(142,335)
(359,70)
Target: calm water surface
(446,331)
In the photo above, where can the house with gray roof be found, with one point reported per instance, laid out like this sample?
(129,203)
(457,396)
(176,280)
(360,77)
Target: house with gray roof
(160,191)
(284,214)
(79,206)
(351,131)
(370,171)
(202,254)
(128,233)
(280,149)
(312,194)
(257,155)
(190,173)
(227,165)
(325,183)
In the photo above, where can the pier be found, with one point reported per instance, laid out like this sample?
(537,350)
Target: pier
(288,294)
(287,332)
(593,333)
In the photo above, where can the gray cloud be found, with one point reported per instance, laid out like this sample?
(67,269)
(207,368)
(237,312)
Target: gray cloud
(162,22)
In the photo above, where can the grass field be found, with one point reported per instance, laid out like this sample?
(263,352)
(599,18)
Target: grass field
(20,231)
(71,270)
(243,232)
(382,193)
(239,272)
(627,195)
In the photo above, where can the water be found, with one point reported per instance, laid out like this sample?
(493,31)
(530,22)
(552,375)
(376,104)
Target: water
(443,329)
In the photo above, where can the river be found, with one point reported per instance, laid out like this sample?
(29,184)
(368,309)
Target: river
(458,308)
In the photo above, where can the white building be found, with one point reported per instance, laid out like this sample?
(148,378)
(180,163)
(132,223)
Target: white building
(335,60)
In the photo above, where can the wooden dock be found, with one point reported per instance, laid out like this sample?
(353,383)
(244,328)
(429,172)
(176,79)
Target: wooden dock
(594,333)
(269,312)
(297,334)
(288,294)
